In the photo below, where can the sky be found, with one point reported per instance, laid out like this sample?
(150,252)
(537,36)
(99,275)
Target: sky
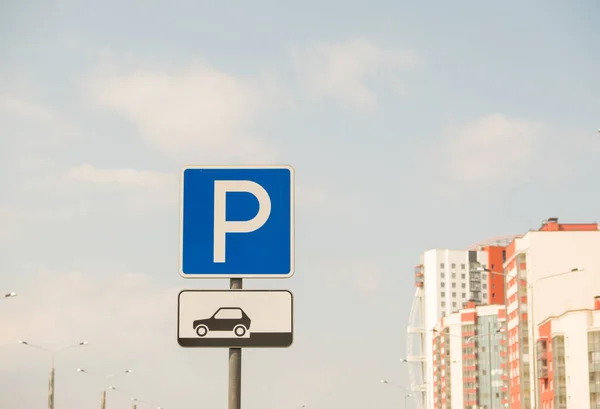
(410,126)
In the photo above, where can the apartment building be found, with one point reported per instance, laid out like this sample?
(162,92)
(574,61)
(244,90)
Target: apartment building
(470,358)
(446,280)
(551,273)
(568,359)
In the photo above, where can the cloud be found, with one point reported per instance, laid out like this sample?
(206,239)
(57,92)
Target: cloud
(196,112)
(120,177)
(141,189)
(17,108)
(348,71)
(77,306)
(491,150)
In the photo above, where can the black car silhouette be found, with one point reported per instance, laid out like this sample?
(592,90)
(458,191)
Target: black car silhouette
(224,319)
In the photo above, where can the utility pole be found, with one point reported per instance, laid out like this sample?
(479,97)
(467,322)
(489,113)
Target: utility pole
(51,388)
(103,400)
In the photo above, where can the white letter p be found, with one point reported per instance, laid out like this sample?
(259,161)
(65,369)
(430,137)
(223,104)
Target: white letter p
(222,226)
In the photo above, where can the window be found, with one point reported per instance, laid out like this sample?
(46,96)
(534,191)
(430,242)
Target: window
(463,285)
(484,276)
(228,314)
(558,367)
(443,294)
(454,304)
(443,303)
(441,265)
(443,285)
(442,275)
(453,265)
(453,285)
(464,295)
(462,266)
(484,285)
(453,275)
(453,295)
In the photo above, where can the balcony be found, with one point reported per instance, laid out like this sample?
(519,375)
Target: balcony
(541,354)
(541,349)
(419,277)
(542,369)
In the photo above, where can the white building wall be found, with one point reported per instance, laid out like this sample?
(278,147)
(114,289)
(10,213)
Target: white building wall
(575,326)
(550,253)
(456,374)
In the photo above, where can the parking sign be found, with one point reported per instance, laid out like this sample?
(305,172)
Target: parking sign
(237,222)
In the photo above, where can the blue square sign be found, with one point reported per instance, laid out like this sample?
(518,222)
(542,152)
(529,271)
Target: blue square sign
(237,222)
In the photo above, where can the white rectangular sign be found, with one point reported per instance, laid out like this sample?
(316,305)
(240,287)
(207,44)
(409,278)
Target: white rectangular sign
(235,318)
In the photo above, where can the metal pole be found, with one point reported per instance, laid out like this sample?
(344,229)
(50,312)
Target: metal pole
(235,363)
(491,366)
(103,400)
(51,389)
(405,398)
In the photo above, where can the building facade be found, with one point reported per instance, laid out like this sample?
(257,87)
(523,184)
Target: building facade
(470,359)
(542,281)
(543,287)
(568,360)
(446,281)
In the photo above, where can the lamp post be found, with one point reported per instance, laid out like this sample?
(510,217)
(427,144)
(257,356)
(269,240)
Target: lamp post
(406,393)
(9,295)
(52,353)
(104,379)
(532,325)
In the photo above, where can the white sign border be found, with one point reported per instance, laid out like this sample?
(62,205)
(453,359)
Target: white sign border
(252,290)
(292,222)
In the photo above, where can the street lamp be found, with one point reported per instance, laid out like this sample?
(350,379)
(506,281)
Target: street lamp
(395,385)
(135,401)
(530,286)
(9,295)
(52,353)
(104,378)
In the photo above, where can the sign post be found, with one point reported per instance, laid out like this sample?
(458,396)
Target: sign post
(236,222)
(235,363)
